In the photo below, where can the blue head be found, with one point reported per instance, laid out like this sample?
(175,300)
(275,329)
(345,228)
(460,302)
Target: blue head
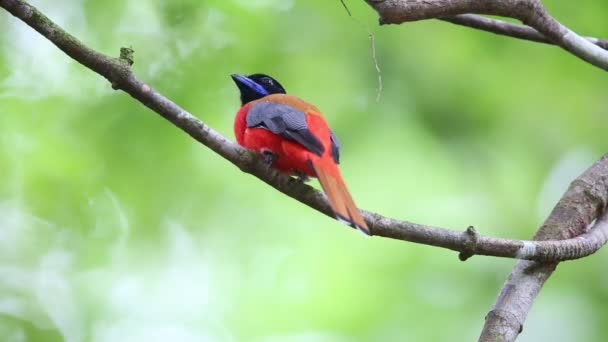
(256,86)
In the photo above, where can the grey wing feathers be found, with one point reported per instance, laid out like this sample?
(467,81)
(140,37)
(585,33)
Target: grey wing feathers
(286,121)
(335,147)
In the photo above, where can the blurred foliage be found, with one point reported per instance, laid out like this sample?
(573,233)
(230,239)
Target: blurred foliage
(116,226)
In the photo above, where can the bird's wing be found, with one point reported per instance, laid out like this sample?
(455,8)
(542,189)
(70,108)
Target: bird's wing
(286,121)
(335,147)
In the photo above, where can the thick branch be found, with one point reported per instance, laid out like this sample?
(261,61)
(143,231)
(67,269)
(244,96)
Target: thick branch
(117,71)
(584,201)
(506,28)
(530,12)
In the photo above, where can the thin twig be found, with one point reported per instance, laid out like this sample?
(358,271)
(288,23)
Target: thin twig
(506,28)
(372,39)
(346,8)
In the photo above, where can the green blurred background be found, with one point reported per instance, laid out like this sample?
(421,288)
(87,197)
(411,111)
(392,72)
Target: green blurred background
(116,226)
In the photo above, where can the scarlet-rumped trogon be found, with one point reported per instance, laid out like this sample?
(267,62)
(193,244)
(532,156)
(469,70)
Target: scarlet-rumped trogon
(292,136)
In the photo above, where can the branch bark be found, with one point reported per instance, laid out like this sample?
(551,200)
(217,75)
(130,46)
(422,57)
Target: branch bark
(118,72)
(584,201)
(530,12)
(505,28)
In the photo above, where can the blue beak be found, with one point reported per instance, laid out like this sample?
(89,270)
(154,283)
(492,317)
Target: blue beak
(246,84)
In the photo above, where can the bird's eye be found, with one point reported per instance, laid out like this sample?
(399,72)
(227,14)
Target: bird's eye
(267,81)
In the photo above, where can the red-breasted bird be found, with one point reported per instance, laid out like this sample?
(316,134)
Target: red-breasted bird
(293,137)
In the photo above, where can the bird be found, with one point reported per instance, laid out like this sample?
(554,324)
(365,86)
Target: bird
(292,136)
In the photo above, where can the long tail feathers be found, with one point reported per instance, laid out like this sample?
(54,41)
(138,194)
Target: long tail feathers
(340,199)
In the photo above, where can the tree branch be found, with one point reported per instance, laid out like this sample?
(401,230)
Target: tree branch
(118,72)
(584,201)
(509,29)
(530,12)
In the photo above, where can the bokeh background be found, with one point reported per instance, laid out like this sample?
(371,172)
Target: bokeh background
(116,226)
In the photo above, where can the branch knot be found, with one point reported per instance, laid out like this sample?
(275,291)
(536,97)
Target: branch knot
(472,237)
(126,55)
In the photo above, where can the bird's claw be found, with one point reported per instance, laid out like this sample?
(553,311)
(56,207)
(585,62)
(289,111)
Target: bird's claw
(269,157)
(300,178)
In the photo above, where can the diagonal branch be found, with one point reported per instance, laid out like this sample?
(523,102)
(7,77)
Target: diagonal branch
(506,28)
(583,202)
(530,12)
(118,72)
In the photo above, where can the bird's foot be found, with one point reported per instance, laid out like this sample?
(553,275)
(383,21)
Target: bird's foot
(269,157)
(301,177)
